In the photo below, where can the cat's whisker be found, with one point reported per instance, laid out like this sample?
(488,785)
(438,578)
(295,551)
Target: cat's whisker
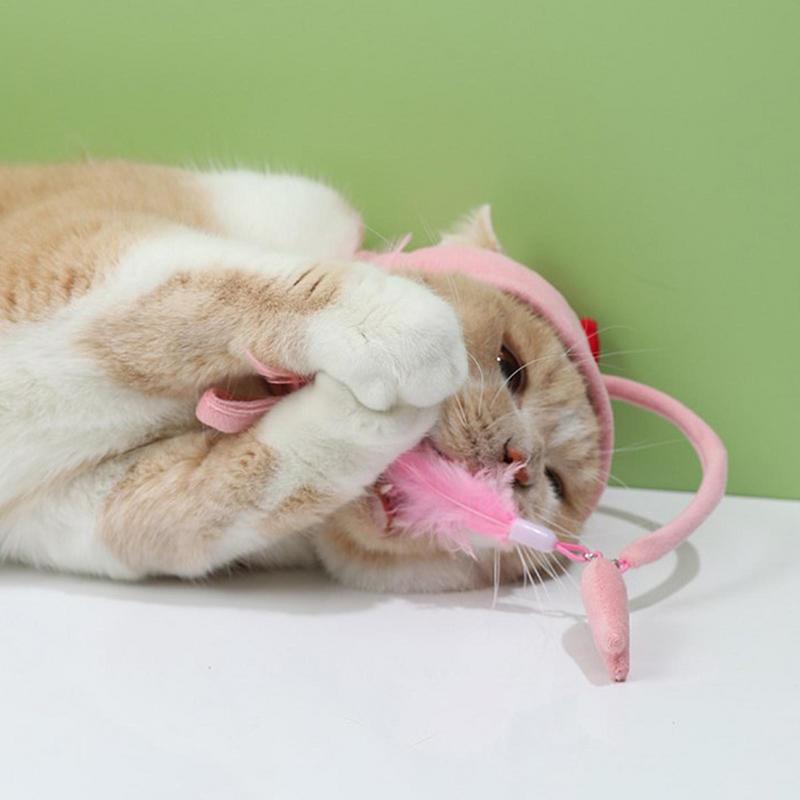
(559,528)
(460,411)
(534,556)
(568,351)
(641,446)
(526,567)
(614,328)
(560,355)
(432,238)
(385,241)
(583,507)
(496,577)
(613,477)
(560,575)
(592,472)
(631,352)
(614,369)
(513,413)
(454,289)
(483,381)
(539,578)
(563,533)
(526,575)
(594,478)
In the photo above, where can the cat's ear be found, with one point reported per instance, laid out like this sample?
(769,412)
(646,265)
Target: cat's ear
(475,230)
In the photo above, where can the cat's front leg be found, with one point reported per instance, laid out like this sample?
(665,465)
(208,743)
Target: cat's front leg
(195,502)
(188,505)
(390,339)
(187,309)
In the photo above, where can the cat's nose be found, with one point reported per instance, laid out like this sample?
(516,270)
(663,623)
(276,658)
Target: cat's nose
(513,455)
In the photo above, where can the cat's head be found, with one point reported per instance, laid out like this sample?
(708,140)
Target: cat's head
(526,401)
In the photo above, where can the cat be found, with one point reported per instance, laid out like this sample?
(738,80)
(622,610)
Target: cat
(126,290)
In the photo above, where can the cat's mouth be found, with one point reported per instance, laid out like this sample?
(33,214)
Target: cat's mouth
(385,499)
(383,503)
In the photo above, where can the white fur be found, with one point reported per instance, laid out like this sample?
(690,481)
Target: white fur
(58,409)
(284,213)
(390,343)
(56,529)
(320,434)
(324,432)
(414,575)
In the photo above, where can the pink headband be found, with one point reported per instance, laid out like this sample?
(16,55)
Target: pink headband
(602,586)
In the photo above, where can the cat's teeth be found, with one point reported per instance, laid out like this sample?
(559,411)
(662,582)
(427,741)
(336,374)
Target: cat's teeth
(385,488)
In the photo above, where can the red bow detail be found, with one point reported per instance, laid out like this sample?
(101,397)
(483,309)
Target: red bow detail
(593,337)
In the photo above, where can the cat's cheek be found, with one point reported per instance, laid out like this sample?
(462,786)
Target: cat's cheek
(379,510)
(537,503)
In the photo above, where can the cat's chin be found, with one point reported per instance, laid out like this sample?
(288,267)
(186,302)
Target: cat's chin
(363,548)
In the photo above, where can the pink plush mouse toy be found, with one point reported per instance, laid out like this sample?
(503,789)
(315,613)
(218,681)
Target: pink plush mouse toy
(445,499)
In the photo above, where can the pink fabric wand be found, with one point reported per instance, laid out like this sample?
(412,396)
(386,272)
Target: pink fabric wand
(606,601)
(434,495)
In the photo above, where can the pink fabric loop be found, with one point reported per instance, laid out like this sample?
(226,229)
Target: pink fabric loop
(576,552)
(606,602)
(713,459)
(220,411)
(278,377)
(217,409)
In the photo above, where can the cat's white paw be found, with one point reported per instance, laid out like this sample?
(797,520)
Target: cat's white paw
(390,341)
(389,432)
(344,443)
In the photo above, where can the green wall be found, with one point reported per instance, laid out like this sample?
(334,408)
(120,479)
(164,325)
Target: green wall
(644,155)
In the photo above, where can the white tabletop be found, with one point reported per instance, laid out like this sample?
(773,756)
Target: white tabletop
(290,686)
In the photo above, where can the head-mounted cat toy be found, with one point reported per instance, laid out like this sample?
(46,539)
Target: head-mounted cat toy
(447,499)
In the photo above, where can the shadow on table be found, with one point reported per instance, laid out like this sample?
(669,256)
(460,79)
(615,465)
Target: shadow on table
(312,592)
(686,569)
(301,592)
(577,639)
(687,566)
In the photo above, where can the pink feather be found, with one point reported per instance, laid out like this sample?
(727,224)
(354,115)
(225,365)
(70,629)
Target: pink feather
(429,493)
(436,496)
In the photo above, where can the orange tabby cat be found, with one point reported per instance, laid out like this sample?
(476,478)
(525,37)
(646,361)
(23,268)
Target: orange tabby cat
(126,290)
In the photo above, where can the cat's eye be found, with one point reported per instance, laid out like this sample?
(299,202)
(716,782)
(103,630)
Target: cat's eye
(555,482)
(513,372)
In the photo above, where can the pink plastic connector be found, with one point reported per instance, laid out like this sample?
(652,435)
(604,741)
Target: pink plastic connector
(531,534)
